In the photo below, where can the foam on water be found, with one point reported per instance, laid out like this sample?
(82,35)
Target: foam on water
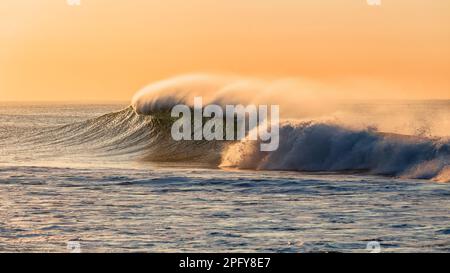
(314,146)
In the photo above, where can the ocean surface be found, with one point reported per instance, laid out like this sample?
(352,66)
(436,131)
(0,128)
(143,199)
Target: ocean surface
(109,179)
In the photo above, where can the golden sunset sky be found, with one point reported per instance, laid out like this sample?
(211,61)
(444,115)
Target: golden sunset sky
(108,49)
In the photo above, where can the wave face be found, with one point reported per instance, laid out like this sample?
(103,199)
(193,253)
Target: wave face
(122,135)
(307,142)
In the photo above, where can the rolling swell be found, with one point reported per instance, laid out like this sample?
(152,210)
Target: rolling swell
(417,147)
(304,146)
(122,135)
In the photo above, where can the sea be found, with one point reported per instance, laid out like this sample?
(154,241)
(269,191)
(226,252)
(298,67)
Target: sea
(110,180)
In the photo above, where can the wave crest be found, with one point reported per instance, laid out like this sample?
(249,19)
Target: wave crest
(322,143)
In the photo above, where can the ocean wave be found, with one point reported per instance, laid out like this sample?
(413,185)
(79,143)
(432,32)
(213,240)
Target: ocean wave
(317,146)
(142,132)
(304,146)
(122,135)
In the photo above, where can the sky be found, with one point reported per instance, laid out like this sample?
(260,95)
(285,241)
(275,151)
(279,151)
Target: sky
(108,49)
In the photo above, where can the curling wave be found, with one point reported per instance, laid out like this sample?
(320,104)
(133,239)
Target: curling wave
(304,146)
(142,132)
(122,135)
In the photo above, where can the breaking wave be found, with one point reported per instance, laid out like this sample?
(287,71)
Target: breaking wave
(311,146)
(309,143)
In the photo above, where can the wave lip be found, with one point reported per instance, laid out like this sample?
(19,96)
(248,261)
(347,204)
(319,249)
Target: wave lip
(163,95)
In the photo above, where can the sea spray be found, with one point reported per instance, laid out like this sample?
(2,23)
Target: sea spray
(359,137)
(237,119)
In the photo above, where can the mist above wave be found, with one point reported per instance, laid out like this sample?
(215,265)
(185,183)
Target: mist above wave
(324,128)
(353,106)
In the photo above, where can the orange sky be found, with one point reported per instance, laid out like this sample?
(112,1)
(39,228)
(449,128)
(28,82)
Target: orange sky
(108,49)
